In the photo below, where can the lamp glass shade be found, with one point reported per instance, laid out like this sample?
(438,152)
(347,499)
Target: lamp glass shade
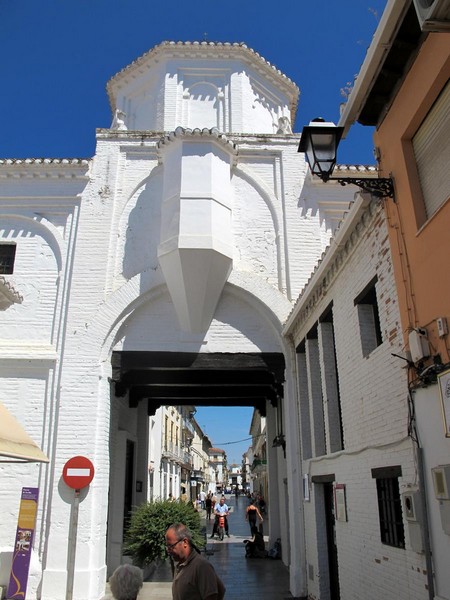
(319,141)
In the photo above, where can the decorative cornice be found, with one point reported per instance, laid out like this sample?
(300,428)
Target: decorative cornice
(322,278)
(213,134)
(351,170)
(209,50)
(65,168)
(8,295)
(44,161)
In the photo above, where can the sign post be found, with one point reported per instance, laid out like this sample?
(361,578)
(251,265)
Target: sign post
(78,473)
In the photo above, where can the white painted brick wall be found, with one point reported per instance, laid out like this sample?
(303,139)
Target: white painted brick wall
(330,390)
(373,393)
(91,283)
(315,397)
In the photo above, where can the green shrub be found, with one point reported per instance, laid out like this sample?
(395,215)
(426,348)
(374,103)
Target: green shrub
(145,537)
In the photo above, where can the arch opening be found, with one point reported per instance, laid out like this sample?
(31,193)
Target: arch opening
(144,381)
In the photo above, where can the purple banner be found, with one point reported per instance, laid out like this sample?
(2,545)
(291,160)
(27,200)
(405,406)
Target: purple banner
(24,543)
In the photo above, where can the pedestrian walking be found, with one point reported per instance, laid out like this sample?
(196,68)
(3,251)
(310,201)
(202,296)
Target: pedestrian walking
(195,576)
(208,505)
(251,515)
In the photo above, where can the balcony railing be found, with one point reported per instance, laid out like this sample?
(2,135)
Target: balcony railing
(178,454)
(188,427)
(188,459)
(258,465)
(173,451)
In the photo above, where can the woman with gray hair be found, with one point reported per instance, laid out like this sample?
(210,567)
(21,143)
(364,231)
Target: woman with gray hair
(125,582)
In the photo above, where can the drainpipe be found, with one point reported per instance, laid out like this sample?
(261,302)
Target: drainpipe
(425,523)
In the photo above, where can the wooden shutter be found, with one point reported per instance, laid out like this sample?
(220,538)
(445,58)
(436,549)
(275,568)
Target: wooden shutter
(431,145)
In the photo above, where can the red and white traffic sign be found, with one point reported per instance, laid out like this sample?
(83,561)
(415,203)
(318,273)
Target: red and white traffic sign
(78,472)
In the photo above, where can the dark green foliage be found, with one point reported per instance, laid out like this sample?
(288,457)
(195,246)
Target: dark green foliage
(145,541)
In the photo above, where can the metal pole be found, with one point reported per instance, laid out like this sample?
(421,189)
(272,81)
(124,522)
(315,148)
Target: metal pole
(425,523)
(72,545)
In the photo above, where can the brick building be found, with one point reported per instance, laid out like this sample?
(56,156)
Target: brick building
(403,91)
(358,458)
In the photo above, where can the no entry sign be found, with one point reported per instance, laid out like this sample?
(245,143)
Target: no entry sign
(78,472)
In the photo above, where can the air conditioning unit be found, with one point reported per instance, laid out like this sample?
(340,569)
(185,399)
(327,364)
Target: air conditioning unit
(433,15)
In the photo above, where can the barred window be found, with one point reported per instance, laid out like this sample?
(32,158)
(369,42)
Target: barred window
(369,318)
(7,256)
(389,506)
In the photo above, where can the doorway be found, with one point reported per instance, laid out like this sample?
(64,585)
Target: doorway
(326,532)
(330,520)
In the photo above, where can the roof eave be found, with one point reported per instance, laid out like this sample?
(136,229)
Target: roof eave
(288,86)
(373,62)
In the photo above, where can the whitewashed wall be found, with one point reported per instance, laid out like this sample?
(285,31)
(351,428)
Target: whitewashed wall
(88,270)
(373,394)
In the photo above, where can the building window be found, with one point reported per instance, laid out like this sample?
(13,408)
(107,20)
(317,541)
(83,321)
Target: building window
(431,145)
(389,506)
(330,382)
(7,256)
(303,393)
(369,319)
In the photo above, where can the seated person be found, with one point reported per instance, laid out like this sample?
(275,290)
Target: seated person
(255,548)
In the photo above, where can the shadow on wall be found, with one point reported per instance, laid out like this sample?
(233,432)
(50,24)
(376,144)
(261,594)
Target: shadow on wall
(140,226)
(327,202)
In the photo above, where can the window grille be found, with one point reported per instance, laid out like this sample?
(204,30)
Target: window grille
(7,256)
(390,510)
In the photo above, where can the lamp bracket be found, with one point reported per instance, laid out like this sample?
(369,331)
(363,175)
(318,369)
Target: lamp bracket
(382,187)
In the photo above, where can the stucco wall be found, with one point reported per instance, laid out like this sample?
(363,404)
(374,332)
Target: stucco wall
(427,242)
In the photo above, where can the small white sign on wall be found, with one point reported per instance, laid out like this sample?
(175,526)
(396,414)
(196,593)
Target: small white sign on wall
(306,497)
(340,505)
(444,388)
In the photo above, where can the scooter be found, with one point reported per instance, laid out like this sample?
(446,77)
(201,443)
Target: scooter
(221,527)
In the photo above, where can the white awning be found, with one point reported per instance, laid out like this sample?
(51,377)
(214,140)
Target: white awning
(15,444)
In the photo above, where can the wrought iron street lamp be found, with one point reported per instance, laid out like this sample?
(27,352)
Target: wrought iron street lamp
(319,142)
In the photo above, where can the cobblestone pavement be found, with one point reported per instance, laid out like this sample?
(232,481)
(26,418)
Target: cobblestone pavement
(265,579)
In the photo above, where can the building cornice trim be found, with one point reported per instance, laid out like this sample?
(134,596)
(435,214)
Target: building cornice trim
(214,50)
(8,295)
(205,134)
(352,228)
(59,168)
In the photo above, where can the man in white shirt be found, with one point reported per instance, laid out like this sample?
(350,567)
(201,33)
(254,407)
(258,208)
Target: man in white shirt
(220,509)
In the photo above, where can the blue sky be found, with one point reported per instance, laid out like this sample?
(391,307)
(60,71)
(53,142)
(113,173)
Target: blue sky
(227,428)
(57,56)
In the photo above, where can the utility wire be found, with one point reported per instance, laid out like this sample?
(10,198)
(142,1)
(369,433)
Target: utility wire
(238,441)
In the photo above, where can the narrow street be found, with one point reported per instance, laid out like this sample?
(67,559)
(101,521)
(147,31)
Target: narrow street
(265,579)
(254,578)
